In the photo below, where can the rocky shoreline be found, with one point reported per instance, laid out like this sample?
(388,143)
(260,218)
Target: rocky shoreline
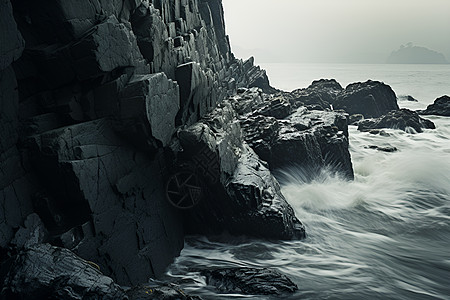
(126,125)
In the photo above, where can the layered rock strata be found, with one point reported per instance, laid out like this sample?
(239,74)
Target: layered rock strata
(92,96)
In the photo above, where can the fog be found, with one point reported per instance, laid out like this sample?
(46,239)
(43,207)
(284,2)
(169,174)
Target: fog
(356,31)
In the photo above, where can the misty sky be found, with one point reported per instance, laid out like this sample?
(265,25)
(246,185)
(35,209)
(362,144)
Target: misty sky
(335,30)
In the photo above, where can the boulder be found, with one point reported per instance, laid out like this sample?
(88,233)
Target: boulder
(242,196)
(371,99)
(249,281)
(320,94)
(47,272)
(440,107)
(285,136)
(403,119)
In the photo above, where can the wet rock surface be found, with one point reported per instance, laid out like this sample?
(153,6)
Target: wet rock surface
(159,292)
(371,99)
(89,107)
(47,272)
(319,95)
(403,119)
(286,136)
(250,281)
(244,197)
(440,107)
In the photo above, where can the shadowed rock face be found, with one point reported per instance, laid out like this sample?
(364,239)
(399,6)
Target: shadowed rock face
(242,196)
(440,107)
(91,97)
(46,272)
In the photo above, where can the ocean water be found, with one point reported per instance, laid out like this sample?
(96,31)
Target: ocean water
(385,235)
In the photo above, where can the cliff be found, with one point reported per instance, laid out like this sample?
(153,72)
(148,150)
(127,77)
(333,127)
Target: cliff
(92,95)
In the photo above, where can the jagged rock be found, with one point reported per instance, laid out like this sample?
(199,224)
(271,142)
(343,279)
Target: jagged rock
(47,272)
(197,93)
(95,177)
(33,232)
(245,198)
(257,77)
(153,98)
(277,107)
(440,107)
(402,119)
(159,292)
(12,43)
(302,138)
(249,281)
(371,99)
(108,46)
(320,94)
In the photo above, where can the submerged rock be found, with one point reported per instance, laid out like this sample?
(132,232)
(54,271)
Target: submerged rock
(250,281)
(402,119)
(383,148)
(440,107)
(371,99)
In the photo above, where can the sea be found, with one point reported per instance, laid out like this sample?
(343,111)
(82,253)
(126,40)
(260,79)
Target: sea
(385,235)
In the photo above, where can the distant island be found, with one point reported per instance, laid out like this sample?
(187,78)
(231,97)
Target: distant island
(411,54)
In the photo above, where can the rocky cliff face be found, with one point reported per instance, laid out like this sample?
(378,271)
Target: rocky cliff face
(92,95)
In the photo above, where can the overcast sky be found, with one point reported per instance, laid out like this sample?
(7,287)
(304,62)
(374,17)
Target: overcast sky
(335,30)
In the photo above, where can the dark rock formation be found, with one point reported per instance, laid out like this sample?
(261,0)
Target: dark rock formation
(286,136)
(371,99)
(47,272)
(319,95)
(250,281)
(403,119)
(383,148)
(91,95)
(440,107)
(244,197)
(101,196)
(159,292)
